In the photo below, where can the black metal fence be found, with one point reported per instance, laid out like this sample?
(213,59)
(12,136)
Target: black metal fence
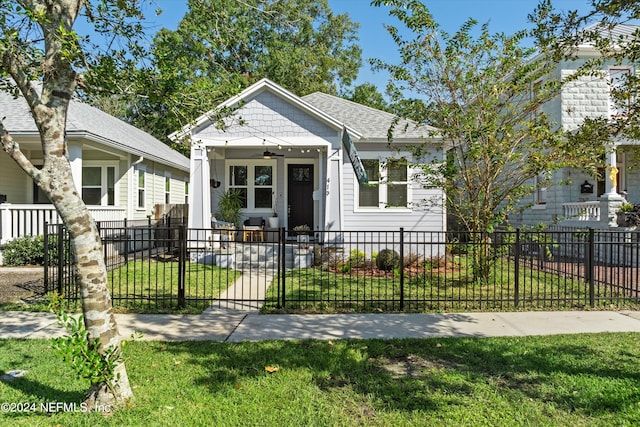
(164,267)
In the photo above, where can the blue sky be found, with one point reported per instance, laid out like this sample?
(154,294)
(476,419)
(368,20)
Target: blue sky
(503,16)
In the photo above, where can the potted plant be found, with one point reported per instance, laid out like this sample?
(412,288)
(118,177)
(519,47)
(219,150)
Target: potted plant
(273,219)
(229,207)
(628,215)
(302,234)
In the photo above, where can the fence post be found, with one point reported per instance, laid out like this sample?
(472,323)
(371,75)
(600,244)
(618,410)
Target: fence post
(182,261)
(60,257)
(516,288)
(46,257)
(590,267)
(126,242)
(401,268)
(282,267)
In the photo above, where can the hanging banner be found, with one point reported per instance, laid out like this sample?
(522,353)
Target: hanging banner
(351,151)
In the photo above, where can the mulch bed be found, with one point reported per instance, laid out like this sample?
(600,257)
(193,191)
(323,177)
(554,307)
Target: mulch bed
(17,285)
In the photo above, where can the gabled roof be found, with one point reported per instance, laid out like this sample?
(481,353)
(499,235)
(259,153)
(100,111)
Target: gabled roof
(362,122)
(89,122)
(251,92)
(372,123)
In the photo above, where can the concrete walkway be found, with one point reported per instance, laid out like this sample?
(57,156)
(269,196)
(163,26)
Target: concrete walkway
(234,326)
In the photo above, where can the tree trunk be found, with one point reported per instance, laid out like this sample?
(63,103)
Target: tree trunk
(91,277)
(48,102)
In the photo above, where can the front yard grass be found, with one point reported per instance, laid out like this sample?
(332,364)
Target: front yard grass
(438,288)
(152,287)
(565,380)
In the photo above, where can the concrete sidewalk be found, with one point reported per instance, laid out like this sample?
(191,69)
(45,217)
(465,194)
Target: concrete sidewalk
(235,326)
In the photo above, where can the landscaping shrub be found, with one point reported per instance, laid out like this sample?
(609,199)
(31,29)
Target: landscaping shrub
(357,258)
(388,260)
(26,250)
(29,250)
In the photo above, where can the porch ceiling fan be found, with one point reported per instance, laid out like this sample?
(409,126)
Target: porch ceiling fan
(269,154)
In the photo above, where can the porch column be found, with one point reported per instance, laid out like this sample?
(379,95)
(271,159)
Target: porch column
(610,201)
(612,170)
(199,222)
(333,191)
(75,158)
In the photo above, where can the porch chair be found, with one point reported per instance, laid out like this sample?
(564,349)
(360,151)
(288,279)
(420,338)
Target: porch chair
(253,228)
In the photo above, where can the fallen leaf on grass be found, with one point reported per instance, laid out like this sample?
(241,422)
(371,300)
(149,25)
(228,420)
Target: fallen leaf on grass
(271,369)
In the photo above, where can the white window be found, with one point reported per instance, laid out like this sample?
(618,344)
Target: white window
(255,181)
(619,99)
(186,192)
(140,181)
(540,195)
(388,185)
(167,189)
(99,184)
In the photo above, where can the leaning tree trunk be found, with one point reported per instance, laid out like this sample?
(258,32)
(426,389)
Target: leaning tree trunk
(91,278)
(91,274)
(48,103)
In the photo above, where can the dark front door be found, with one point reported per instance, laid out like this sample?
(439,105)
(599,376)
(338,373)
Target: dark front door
(300,196)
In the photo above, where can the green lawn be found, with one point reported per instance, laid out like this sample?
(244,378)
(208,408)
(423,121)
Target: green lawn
(152,287)
(435,288)
(575,380)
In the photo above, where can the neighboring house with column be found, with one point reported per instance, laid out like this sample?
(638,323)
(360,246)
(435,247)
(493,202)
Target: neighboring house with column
(588,201)
(286,154)
(121,171)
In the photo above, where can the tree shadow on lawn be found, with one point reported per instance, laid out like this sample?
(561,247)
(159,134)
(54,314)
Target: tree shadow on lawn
(39,365)
(424,374)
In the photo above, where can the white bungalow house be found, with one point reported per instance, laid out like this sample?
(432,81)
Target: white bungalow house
(588,201)
(121,171)
(286,154)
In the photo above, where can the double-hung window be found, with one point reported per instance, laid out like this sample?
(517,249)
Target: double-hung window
(388,185)
(255,182)
(141,185)
(167,189)
(98,184)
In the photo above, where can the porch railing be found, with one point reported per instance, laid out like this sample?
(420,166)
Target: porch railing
(582,211)
(17,220)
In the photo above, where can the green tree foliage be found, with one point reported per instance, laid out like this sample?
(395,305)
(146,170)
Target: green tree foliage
(560,33)
(368,94)
(222,46)
(485,93)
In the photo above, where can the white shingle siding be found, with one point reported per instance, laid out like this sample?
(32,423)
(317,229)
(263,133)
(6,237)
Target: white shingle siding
(586,97)
(267,115)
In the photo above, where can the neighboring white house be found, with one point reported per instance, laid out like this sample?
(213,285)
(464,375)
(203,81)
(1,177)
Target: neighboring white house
(121,171)
(588,200)
(286,154)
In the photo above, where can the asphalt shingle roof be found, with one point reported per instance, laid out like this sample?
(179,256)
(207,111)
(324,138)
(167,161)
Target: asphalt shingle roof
(109,130)
(373,124)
